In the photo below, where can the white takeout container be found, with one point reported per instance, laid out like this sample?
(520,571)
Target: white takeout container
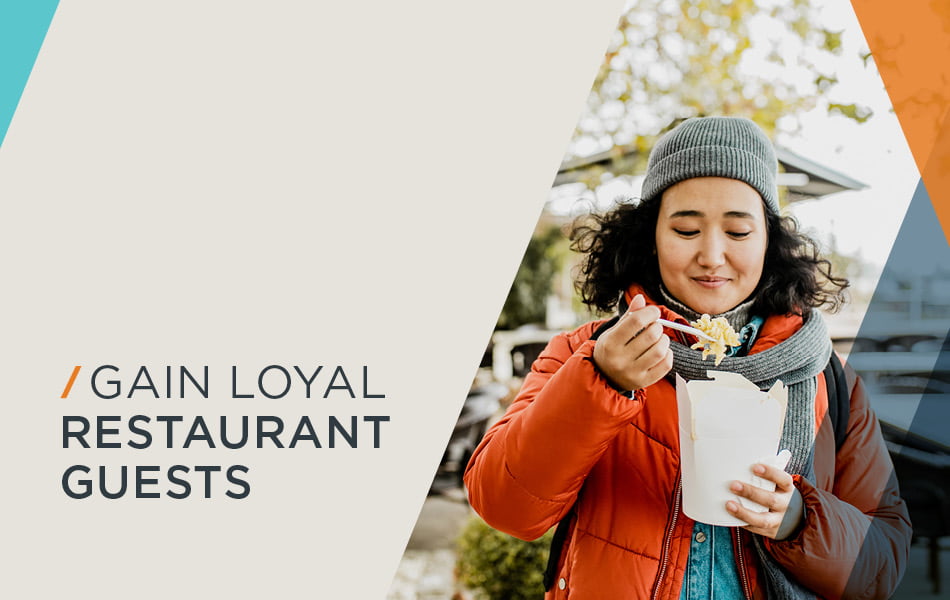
(726,425)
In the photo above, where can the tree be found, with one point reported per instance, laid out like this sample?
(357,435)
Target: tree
(673,59)
(527,298)
(669,60)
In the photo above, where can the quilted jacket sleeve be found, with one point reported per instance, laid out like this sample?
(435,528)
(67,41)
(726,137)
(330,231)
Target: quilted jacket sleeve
(856,538)
(526,473)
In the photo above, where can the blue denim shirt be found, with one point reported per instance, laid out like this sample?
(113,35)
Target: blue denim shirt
(711,572)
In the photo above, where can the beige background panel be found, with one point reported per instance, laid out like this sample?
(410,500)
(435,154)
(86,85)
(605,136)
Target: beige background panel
(250,183)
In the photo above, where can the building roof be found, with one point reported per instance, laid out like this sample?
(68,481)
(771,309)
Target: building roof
(802,177)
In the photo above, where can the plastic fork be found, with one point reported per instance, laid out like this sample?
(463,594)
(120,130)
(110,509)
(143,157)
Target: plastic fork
(686,329)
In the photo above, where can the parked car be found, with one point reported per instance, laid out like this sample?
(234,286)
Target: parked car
(481,405)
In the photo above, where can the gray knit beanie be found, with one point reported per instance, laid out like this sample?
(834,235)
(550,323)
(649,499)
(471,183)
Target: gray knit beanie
(730,147)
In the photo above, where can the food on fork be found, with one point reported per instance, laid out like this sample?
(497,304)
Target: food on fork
(718,329)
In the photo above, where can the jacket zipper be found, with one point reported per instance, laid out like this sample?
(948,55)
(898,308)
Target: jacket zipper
(743,575)
(668,540)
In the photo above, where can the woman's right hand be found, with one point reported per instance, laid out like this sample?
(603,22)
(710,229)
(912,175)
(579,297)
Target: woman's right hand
(634,353)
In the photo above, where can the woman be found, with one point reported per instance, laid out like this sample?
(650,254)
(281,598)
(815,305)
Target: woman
(593,435)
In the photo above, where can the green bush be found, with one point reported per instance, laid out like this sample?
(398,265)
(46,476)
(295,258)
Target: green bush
(497,566)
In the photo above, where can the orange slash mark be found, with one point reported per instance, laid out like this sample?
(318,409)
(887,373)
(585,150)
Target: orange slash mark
(72,379)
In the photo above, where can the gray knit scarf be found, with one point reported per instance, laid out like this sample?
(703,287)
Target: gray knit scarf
(796,361)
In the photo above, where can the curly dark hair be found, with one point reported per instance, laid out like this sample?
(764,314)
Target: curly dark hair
(619,250)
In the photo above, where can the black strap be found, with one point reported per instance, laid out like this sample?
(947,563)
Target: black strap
(604,327)
(557,545)
(839,399)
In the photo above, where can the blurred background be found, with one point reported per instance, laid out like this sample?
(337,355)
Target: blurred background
(800,69)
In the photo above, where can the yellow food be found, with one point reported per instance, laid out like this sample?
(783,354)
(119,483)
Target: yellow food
(718,329)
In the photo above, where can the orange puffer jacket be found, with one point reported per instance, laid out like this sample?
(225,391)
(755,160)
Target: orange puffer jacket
(570,439)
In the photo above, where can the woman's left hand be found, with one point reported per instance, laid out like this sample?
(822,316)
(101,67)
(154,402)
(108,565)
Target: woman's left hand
(785,506)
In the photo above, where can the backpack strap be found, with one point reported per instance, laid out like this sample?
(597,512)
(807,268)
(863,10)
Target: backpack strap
(604,327)
(839,399)
(557,546)
(564,526)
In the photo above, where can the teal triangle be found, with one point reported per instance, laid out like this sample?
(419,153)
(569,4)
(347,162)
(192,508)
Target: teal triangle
(23,26)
